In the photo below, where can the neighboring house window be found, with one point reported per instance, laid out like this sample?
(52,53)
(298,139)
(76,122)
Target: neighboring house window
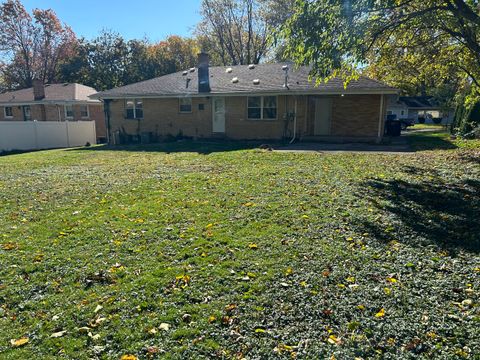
(185,105)
(27,113)
(69,111)
(8,111)
(389,112)
(262,107)
(134,109)
(84,111)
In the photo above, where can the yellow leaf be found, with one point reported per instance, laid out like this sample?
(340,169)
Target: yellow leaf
(19,342)
(9,246)
(388,291)
(211,319)
(350,279)
(289,271)
(249,204)
(361,307)
(128,357)
(332,339)
(391,279)
(253,246)
(208,226)
(259,331)
(381,313)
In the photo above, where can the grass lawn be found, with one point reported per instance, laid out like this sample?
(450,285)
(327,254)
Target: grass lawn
(200,251)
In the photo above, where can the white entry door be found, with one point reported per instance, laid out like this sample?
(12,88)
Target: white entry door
(218,124)
(323,115)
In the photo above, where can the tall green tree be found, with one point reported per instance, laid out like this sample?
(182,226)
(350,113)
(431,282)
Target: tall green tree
(340,37)
(110,61)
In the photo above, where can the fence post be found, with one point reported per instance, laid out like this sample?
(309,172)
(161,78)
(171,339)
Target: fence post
(35,134)
(68,137)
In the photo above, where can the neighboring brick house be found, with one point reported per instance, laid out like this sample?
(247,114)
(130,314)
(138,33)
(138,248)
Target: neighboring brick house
(54,102)
(266,101)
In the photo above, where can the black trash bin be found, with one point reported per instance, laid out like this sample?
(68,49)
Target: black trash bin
(393,127)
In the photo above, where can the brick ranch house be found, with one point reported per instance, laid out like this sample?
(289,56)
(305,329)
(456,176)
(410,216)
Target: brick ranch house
(266,101)
(54,102)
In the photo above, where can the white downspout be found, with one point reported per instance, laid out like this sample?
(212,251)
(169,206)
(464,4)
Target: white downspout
(380,119)
(294,122)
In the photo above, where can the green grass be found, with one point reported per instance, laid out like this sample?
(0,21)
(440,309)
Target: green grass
(439,140)
(427,126)
(242,252)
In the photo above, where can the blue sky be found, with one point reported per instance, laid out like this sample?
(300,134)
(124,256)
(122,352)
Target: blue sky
(132,19)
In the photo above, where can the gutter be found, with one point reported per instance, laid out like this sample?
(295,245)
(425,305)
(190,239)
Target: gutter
(246,93)
(380,119)
(294,122)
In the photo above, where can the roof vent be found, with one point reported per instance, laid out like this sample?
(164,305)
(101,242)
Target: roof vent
(285,84)
(251,66)
(192,70)
(229,70)
(185,73)
(235,80)
(256,82)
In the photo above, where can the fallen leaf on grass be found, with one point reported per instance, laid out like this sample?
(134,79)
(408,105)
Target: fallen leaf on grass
(332,339)
(128,357)
(253,246)
(381,313)
(98,308)
(9,246)
(58,334)
(248,204)
(19,342)
(164,326)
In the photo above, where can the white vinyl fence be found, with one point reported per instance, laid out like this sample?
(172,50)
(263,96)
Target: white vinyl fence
(33,135)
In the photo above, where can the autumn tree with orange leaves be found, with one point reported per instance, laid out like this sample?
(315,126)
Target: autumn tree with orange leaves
(32,46)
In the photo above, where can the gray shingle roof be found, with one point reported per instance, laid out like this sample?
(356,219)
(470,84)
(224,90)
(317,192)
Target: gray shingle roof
(271,77)
(53,93)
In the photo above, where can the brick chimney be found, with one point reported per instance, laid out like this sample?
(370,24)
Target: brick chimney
(203,73)
(38,90)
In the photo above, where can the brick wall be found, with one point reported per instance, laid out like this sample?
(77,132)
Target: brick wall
(352,116)
(162,117)
(356,115)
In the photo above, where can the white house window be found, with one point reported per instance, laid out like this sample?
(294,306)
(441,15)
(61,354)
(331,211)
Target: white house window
(134,109)
(185,105)
(84,111)
(8,111)
(69,111)
(262,107)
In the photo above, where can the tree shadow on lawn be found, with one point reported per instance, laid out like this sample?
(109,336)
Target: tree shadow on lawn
(200,147)
(446,214)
